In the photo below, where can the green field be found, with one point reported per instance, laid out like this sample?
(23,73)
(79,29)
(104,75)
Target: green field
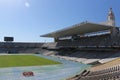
(24,60)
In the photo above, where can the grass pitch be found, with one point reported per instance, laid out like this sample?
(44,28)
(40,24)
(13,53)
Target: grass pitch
(24,60)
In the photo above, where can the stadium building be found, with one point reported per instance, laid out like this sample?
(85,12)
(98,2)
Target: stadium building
(87,43)
(87,35)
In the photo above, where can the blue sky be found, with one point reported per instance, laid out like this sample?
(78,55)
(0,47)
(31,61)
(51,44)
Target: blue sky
(26,20)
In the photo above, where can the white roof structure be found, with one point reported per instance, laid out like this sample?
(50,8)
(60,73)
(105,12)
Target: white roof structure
(78,29)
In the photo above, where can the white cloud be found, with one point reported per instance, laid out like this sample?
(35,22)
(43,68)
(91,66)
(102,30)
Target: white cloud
(27,4)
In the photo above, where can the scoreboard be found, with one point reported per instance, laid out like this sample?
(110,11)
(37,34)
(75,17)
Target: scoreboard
(7,39)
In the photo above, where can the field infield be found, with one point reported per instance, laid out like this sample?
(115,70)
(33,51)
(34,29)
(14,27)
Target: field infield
(24,60)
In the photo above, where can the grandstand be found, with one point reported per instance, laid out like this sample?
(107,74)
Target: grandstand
(84,39)
(19,47)
(89,43)
(87,34)
(107,71)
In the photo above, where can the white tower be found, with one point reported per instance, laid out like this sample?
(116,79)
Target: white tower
(111,21)
(111,18)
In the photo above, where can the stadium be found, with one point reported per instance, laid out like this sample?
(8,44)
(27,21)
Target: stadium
(84,51)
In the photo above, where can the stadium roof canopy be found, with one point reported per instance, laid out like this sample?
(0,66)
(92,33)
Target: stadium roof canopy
(78,29)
